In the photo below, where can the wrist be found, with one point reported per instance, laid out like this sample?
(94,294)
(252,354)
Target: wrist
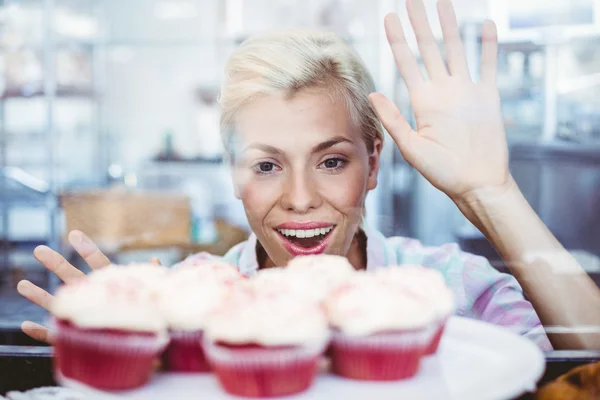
(488,203)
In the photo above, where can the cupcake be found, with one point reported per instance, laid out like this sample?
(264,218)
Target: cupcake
(187,296)
(108,333)
(265,345)
(327,266)
(429,285)
(150,275)
(214,269)
(281,281)
(322,273)
(379,333)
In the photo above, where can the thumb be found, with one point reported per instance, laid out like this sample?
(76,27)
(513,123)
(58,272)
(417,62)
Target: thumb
(393,121)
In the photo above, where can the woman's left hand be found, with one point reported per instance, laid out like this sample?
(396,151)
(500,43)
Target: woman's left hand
(459,144)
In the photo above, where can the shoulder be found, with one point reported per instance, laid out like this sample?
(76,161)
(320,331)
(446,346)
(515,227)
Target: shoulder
(466,273)
(234,255)
(412,251)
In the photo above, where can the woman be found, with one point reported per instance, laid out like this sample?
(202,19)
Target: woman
(301,125)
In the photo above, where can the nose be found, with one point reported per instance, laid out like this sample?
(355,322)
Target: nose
(300,194)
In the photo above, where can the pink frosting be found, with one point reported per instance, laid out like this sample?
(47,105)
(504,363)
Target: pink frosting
(267,318)
(426,283)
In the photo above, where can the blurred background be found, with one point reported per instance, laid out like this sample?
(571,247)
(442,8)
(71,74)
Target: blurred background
(109,124)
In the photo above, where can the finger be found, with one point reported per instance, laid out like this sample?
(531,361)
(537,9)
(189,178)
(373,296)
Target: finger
(155,261)
(455,51)
(88,250)
(405,59)
(56,263)
(36,331)
(397,126)
(35,294)
(428,47)
(489,52)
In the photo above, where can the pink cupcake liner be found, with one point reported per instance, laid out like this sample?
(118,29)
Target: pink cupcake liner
(185,352)
(380,357)
(434,343)
(106,359)
(256,371)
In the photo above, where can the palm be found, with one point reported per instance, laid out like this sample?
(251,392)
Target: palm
(459,144)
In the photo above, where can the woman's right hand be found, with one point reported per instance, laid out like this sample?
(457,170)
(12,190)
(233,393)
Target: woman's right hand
(58,265)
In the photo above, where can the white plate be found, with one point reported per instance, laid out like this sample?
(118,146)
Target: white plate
(475,361)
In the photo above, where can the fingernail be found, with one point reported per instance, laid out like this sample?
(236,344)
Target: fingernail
(84,243)
(23,288)
(39,249)
(81,238)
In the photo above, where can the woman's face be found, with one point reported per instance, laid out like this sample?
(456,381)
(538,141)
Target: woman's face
(302,171)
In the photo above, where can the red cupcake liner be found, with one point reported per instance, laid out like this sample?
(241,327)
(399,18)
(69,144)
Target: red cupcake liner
(380,357)
(185,352)
(434,343)
(257,371)
(107,359)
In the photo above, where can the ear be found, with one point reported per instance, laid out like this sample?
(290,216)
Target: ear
(374,164)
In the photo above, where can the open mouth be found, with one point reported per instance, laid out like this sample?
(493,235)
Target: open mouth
(305,241)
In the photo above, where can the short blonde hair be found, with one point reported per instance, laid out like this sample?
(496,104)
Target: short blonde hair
(291,61)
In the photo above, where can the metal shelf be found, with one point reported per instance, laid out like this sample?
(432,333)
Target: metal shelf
(23,190)
(36,92)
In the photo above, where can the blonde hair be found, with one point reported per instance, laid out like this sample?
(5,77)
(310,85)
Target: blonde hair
(291,61)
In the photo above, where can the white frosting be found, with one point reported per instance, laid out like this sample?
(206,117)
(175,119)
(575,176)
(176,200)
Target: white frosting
(268,320)
(424,282)
(322,273)
(323,264)
(366,306)
(118,302)
(275,281)
(148,274)
(189,295)
(211,268)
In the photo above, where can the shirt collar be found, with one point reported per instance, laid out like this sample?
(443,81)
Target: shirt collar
(379,253)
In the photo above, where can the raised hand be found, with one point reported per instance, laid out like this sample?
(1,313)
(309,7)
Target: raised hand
(459,144)
(59,266)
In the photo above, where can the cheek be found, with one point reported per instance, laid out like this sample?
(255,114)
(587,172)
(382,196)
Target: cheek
(258,197)
(346,193)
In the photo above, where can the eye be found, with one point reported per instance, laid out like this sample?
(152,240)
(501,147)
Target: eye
(265,168)
(334,163)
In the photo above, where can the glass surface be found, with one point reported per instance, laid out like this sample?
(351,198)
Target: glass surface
(99,94)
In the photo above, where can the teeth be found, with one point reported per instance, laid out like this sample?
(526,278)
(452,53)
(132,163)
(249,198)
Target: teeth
(305,233)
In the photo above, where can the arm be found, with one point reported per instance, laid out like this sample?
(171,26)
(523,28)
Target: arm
(480,291)
(560,290)
(459,146)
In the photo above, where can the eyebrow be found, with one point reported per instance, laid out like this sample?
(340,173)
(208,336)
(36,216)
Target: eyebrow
(330,143)
(316,149)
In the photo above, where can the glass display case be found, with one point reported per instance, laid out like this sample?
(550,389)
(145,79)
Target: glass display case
(102,92)
(49,113)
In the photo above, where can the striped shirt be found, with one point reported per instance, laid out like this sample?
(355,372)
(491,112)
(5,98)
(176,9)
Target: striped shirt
(481,291)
